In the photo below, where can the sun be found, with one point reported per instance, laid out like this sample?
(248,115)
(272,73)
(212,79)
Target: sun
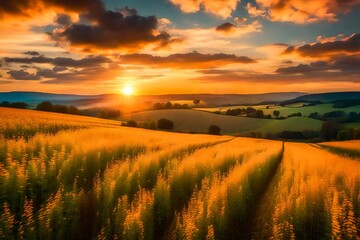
(128,90)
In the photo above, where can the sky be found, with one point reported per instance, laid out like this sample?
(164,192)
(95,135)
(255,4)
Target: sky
(179,46)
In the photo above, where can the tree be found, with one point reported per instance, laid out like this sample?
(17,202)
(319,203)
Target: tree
(330,129)
(152,125)
(276,113)
(4,104)
(214,129)
(165,124)
(45,106)
(344,135)
(259,114)
(356,134)
(60,108)
(168,105)
(74,110)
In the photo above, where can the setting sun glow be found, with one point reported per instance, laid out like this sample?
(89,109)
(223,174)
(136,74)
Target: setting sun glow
(128,90)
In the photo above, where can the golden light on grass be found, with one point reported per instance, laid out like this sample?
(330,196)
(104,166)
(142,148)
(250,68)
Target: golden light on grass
(196,186)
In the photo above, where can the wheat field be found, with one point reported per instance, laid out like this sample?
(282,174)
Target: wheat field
(70,177)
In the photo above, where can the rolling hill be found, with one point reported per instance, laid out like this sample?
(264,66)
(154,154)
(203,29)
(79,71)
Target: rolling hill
(199,121)
(326,97)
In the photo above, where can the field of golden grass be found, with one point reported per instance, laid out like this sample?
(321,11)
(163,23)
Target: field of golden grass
(69,177)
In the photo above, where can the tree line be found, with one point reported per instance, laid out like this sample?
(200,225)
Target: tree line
(20,105)
(339,116)
(169,105)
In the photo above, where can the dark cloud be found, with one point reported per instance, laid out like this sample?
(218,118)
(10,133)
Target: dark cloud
(56,75)
(22,75)
(61,61)
(185,60)
(339,64)
(123,29)
(303,68)
(32,53)
(225,27)
(64,70)
(349,45)
(348,64)
(98,28)
(63,19)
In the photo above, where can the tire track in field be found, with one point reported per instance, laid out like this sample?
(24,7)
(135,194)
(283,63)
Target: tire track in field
(342,152)
(236,231)
(250,229)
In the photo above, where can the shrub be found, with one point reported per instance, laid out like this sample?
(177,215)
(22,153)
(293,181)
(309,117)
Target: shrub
(356,133)
(165,124)
(344,135)
(45,106)
(131,123)
(214,129)
(276,113)
(329,129)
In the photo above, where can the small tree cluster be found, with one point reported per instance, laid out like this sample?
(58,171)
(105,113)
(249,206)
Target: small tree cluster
(214,130)
(21,105)
(49,107)
(165,124)
(169,105)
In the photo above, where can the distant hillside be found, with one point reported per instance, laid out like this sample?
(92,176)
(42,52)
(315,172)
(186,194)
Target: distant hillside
(192,120)
(229,99)
(37,97)
(143,101)
(327,97)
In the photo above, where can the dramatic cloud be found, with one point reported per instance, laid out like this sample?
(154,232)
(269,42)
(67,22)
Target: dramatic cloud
(221,8)
(64,69)
(191,60)
(347,45)
(300,11)
(122,29)
(97,28)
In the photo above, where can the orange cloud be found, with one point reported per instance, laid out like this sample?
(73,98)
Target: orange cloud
(300,11)
(29,8)
(221,8)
